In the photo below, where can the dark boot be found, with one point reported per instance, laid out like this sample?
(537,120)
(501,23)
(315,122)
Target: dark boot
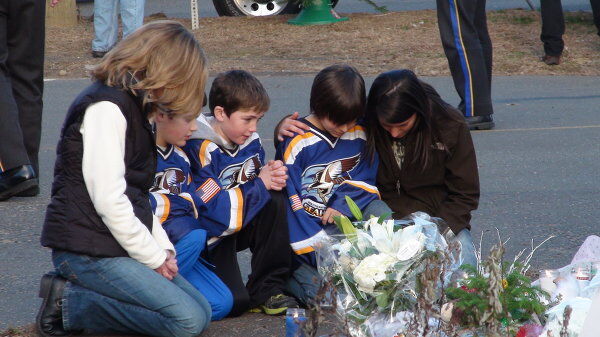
(49,319)
(17,180)
(480,122)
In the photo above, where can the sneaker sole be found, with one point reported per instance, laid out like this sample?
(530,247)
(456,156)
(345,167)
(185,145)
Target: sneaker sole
(273,312)
(27,184)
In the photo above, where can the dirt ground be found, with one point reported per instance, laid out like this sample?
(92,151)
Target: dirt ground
(371,42)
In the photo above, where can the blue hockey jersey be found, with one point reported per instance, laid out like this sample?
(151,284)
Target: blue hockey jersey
(322,171)
(225,176)
(172,195)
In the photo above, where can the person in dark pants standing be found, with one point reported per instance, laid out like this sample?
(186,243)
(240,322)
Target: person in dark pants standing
(468,48)
(553,28)
(21,86)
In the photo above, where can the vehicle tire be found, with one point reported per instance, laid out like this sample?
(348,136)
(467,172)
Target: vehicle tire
(258,7)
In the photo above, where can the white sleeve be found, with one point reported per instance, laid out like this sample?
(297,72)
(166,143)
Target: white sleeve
(104,133)
(159,234)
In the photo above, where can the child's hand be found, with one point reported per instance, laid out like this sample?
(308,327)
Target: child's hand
(274,175)
(169,268)
(329,214)
(291,125)
(279,174)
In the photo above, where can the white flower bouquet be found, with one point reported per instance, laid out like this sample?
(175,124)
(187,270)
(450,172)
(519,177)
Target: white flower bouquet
(374,266)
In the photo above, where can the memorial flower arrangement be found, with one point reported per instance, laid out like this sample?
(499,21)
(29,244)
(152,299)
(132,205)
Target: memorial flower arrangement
(375,265)
(403,278)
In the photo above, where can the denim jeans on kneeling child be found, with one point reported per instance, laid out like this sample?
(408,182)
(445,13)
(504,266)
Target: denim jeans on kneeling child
(122,296)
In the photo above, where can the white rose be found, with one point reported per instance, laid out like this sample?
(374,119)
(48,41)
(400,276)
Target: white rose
(372,270)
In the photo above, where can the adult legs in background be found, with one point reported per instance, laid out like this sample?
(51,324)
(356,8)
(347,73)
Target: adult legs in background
(553,29)
(596,12)
(21,89)
(106,25)
(132,15)
(122,296)
(195,271)
(468,48)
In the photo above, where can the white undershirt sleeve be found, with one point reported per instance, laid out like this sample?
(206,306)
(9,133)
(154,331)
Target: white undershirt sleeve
(104,134)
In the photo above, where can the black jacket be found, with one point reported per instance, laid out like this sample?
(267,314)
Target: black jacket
(72,223)
(448,187)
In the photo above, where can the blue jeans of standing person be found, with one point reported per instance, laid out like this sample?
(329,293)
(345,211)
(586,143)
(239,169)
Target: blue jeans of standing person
(106,21)
(122,296)
(194,269)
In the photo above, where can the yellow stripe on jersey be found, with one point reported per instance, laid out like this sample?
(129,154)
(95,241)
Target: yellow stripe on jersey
(293,143)
(166,208)
(240,210)
(364,186)
(304,250)
(202,153)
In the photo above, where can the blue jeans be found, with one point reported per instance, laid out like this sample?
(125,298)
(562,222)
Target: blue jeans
(304,283)
(122,296)
(467,252)
(195,270)
(106,21)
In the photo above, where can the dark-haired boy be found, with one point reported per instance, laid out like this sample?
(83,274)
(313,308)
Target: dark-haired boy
(325,164)
(246,208)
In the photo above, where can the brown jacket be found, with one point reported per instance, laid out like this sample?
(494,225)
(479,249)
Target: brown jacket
(448,187)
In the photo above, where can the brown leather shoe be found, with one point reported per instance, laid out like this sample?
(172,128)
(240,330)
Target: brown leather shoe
(551,60)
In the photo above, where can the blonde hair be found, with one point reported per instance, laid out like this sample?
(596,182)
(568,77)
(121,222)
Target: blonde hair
(161,61)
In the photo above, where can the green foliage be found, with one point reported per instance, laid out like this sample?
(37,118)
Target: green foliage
(354,209)
(518,298)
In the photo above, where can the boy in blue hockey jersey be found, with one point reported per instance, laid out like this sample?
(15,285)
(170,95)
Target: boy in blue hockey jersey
(325,164)
(245,205)
(175,204)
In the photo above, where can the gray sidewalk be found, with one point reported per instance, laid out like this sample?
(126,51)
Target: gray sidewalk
(539,171)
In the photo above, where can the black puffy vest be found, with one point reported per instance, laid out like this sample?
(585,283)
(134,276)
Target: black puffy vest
(72,223)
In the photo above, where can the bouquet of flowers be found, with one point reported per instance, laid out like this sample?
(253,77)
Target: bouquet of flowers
(374,267)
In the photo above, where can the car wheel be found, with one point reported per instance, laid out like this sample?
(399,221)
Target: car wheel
(258,7)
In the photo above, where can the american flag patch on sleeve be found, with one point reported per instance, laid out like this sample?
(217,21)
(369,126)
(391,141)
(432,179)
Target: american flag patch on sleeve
(208,190)
(296,204)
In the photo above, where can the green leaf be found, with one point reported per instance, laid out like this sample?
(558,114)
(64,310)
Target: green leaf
(347,228)
(354,209)
(337,219)
(382,300)
(384,217)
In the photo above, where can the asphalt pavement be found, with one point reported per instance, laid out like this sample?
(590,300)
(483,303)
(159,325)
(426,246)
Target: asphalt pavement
(539,172)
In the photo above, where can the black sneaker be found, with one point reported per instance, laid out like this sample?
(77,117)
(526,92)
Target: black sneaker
(98,54)
(278,304)
(480,122)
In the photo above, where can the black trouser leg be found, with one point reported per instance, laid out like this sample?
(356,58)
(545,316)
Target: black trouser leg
(12,149)
(596,12)
(484,38)
(26,64)
(463,30)
(224,256)
(269,241)
(553,27)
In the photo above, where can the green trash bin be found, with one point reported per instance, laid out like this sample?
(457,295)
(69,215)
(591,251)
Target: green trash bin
(317,12)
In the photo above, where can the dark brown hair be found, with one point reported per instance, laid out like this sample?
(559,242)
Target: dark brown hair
(338,94)
(393,96)
(238,90)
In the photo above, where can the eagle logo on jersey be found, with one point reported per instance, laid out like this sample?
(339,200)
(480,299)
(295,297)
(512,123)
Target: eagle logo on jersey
(324,179)
(168,181)
(235,175)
